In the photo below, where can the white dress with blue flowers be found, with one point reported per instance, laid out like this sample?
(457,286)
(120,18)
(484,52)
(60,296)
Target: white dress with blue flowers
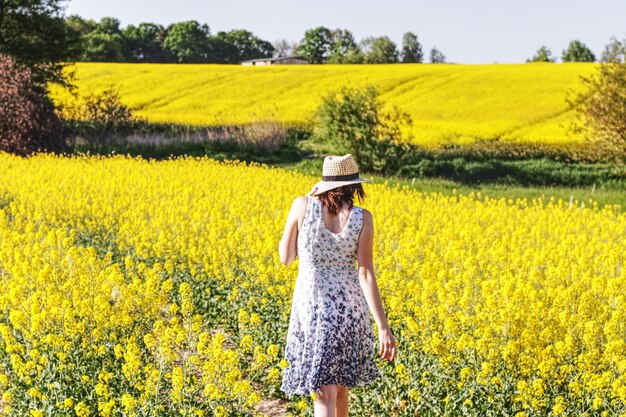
(330,339)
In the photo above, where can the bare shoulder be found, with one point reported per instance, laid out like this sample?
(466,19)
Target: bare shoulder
(298,207)
(300,202)
(367,216)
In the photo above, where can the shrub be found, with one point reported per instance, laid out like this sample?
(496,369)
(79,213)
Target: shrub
(100,118)
(352,120)
(28,122)
(601,108)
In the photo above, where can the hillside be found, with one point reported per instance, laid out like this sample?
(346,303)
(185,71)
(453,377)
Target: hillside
(459,103)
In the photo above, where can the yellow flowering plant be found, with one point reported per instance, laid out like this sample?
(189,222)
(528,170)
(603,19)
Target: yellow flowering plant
(119,274)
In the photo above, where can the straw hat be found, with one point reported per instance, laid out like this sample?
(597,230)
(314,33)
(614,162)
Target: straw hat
(338,171)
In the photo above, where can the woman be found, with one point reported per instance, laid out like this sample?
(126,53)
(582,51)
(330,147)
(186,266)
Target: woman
(330,341)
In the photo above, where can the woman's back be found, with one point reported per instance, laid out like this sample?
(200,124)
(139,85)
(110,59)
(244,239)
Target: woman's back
(318,245)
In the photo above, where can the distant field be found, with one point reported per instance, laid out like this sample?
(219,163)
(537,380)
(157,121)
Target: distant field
(458,103)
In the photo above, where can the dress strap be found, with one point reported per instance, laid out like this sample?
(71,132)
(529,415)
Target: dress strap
(310,210)
(318,208)
(359,214)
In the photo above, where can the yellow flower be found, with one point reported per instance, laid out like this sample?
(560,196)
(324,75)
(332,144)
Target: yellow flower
(177,384)
(198,412)
(34,392)
(402,373)
(173,309)
(273,350)
(81,409)
(597,402)
(186,299)
(273,374)
(128,402)
(7,397)
(302,404)
(119,351)
(414,395)
(255,319)
(252,400)
(243,317)
(246,343)
(220,411)
(558,409)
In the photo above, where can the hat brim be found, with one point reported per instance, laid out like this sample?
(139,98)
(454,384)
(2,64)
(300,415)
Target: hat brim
(323,186)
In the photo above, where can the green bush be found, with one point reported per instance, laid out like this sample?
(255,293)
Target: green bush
(100,119)
(601,108)
(352,121)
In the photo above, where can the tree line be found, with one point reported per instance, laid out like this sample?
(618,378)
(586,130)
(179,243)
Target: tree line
(37,41)
(192,42)
(576,51)
(184,42)
(35,31)
(322,45)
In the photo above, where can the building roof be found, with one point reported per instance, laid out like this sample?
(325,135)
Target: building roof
(283,58)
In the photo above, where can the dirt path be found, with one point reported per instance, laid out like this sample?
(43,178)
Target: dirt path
(272,407)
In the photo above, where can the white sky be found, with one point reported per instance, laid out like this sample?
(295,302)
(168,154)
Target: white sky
(470,31)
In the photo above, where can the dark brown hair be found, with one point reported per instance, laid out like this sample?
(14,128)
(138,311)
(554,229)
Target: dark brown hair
(334,198)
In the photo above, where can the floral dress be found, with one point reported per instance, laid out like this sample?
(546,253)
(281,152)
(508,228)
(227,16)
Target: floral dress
(330,339)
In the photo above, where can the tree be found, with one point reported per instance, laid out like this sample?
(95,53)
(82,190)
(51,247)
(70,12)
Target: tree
(411,48)
(543,54)
(615,51)
(601,107)
(343,48)
(144,43)
(105,43)
(352,56)
(99,118)
(353,121)
(284,48)
(35,33)
(81,25)
(315,46)
(28,122)
(577,52)
(436,57)
(379,50)
(238,45)
(188,41)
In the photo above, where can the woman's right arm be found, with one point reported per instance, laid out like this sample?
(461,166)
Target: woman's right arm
(288,246)
(365,256)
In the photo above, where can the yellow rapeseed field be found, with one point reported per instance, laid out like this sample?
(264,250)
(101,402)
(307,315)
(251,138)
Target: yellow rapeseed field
(138,288)
(448,103)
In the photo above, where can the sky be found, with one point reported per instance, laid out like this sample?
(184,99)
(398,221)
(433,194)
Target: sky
(466,31)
